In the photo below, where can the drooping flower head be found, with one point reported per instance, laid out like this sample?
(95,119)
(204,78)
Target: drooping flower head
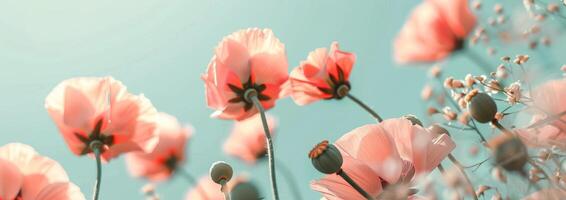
(435,29)
(101,109)
(25,174)
(250,59)
(169,153)
(324,75)
(390,153)
(247,140)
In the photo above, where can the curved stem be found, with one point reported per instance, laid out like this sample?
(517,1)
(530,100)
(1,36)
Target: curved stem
(270,155)
(192,181)
(291,181)
(350,181)
(97,153)
(461,168)
(365,107)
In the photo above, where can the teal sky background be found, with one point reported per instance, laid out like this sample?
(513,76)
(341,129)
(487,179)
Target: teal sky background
(160,48)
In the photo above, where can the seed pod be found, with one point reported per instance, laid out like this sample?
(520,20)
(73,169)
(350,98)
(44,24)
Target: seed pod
(245,191)
(326,158)
(221,172)
(414,120)
(511,154)
(482,108)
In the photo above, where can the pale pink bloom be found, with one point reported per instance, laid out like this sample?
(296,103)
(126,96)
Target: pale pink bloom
(547,194)
(415,144)
(79,106)
(435,29)
(25,174)
(546,137)
(60,191)
(247,140)
(169,153)
(550,97)
(206,189)
(247,59)
(321,75)
(394,152)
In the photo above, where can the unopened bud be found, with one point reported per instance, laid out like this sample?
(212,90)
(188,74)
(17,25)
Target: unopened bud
(432,111)
(552,8)
(498,8)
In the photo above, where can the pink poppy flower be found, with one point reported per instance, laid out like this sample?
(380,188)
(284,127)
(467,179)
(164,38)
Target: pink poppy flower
(321,75)
(167,155)
(549,97)
(435,29)
(245,60)
(395,152)
(247,140)
(206,189)
(544,137)
(88,109)
(27,175)
(547,194)
(333,187)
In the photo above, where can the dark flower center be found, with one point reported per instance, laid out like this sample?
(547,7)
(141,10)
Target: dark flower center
(242,92)
(171,162)
(459,45)
(95,135)
(338,86)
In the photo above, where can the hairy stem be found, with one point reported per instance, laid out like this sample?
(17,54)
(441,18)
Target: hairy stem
(270,153)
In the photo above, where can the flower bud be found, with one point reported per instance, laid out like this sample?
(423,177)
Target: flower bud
(414,120)
(482,108)
(326,158)
(221,172)
(245,191)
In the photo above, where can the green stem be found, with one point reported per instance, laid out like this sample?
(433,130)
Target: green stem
(365,107)
(270,153)
(350,181)
(96,149)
